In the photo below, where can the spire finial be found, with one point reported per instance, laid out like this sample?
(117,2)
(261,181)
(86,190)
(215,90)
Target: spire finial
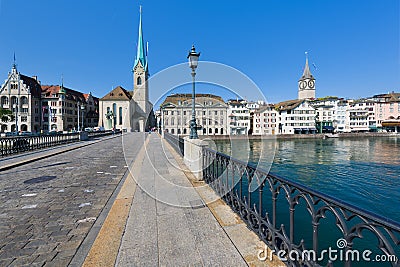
(62,80)
(14,62)
(140,9)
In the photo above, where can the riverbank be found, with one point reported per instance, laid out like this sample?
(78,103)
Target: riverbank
(296,136)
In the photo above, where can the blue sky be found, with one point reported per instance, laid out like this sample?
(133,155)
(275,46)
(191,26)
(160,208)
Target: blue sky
(354,43)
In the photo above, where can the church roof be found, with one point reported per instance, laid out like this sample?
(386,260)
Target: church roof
(307,73)
(118,93)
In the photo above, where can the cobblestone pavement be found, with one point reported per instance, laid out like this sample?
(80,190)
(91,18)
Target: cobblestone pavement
(47,207)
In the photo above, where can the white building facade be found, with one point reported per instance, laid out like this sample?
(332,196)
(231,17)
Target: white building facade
(211,114)
(265,120)
(296,117)
(239,117)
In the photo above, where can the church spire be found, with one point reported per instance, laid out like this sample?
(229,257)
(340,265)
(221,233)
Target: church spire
(306,73)
(14,65)
(141,54)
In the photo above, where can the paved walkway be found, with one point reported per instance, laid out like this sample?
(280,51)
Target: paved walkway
(168,225)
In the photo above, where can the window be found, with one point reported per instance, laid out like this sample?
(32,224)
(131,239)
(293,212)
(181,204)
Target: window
(24,118)
(120,115)
(4,100)
(114,109)
(172,121)
(139,80)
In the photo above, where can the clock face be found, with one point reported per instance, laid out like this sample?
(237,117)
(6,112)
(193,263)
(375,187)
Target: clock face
(303,84)
(311,84)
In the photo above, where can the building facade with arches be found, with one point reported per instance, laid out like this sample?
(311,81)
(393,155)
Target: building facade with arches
(211,114)
(44,108)
(21,95)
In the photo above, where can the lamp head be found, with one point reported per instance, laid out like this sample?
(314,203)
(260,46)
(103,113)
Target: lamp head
(193,58)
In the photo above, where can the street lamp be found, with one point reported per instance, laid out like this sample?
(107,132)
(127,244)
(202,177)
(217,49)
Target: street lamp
(78,106)
(15,106)
(82,109)
(193,62)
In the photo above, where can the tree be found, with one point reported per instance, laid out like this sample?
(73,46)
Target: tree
(5,116)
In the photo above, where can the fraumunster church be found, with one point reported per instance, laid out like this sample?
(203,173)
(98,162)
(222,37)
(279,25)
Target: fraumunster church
(130,110)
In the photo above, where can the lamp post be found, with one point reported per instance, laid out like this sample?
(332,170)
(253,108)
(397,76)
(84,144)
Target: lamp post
(193,62)
(82,109)
(15,106)
(78,106)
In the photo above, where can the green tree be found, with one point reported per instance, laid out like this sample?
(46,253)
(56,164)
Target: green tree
(5,116)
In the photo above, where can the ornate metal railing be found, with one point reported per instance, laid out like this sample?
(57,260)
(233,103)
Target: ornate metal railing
(176,142)
(18,144)
(269,203)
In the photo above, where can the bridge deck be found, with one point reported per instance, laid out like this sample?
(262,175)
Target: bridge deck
(83,207)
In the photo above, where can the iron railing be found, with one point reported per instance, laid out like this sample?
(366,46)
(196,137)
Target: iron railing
(18,144)
(268,204)
(176,142)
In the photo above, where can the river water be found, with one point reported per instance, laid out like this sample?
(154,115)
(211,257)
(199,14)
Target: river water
(364,172)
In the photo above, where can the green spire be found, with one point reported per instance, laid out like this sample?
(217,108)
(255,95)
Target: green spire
(141,53)
(62,90)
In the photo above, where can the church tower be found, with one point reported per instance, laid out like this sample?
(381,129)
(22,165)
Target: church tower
(141,73)
(306,83)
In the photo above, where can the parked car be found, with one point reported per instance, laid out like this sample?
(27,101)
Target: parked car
(99,129)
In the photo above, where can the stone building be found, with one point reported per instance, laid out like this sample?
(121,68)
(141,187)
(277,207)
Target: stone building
(296,117)
(61,107)
(43,108)
(130,110)
(387,108)
(265,120)
(21,94)
(211,114)
(239,117)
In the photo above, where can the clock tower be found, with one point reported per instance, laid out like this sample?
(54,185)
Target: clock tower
(306,83)
(141,74)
